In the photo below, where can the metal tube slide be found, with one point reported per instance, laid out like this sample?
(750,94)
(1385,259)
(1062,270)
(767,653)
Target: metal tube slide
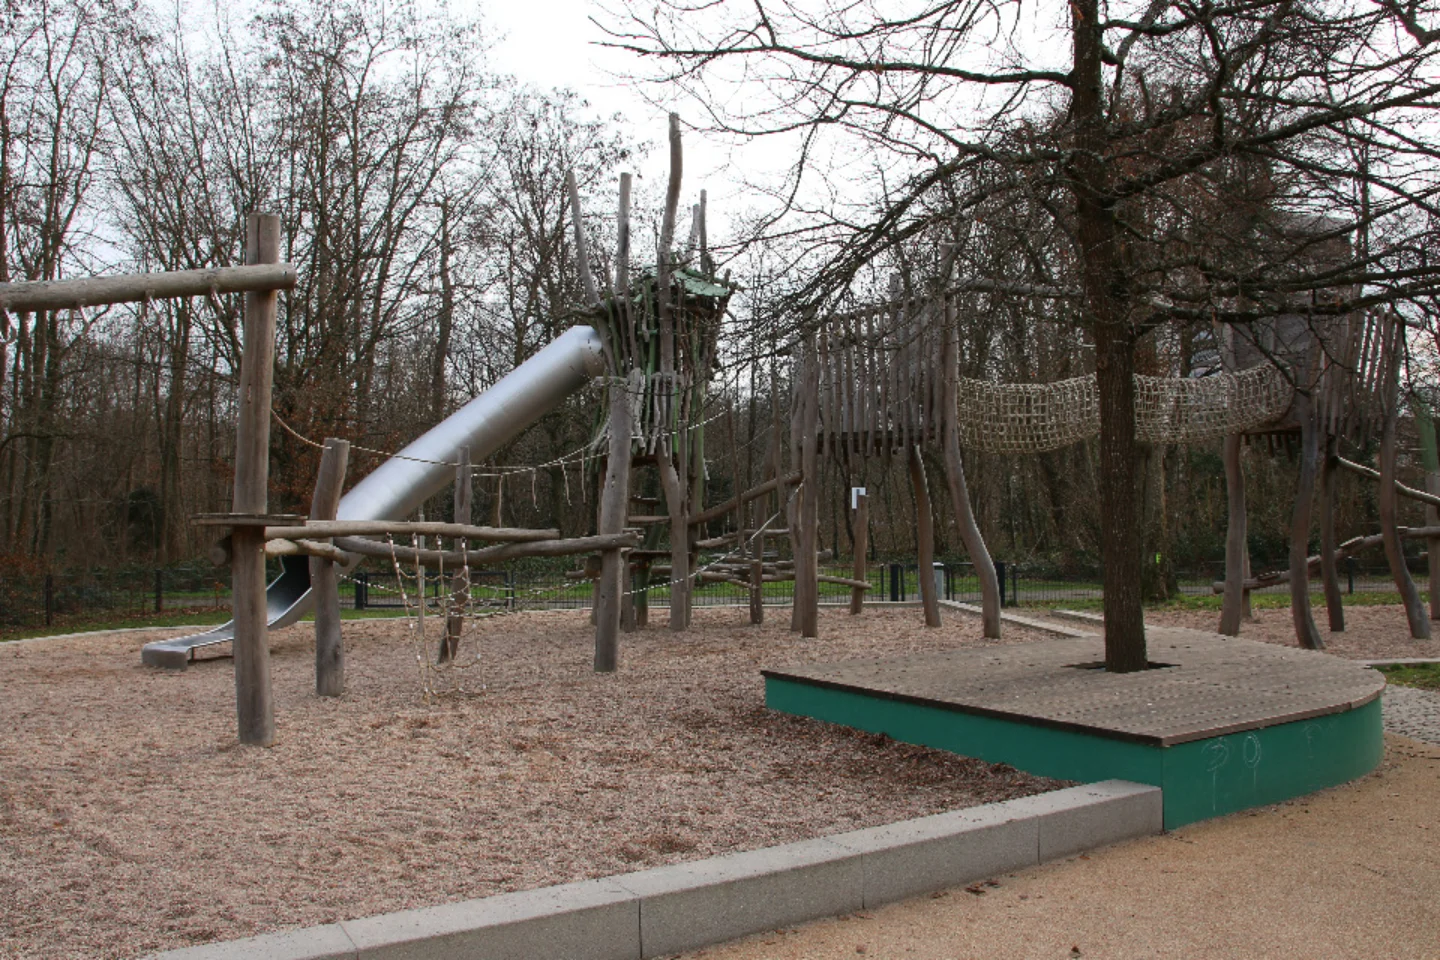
(421,470)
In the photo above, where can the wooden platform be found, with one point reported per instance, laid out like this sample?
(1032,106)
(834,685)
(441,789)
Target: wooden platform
(1225,724)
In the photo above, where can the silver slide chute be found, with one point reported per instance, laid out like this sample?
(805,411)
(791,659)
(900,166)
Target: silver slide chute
(421,470)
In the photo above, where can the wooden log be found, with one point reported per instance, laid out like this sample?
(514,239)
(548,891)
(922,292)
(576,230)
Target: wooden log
(316,549)
(613,500)
(486,555)
(1347,549)
(754,493)
(582,246)
(924,538)
(1361,470)
(36,295)
(324,578)
(254,706)
(434,528)
(679,545)
(460,582)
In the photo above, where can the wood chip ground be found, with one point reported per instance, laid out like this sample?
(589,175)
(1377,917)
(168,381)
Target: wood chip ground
(130,820)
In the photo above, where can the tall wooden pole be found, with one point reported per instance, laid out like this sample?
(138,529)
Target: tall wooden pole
(460,583)
(1430,460)
(807,567)
(924,537)
(861,506)
(1394,552)
(1236,547)
(254,708)
(991,589)
(1329,568)
(1306,633)
(324,578)
(613,502)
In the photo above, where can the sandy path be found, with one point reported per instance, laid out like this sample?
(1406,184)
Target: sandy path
(1352,872)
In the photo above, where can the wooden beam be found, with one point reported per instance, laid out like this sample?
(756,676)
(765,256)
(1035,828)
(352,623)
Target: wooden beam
(136,287)
(432,528)
(1400,488)
(754,493)
(306,548)
(487,555)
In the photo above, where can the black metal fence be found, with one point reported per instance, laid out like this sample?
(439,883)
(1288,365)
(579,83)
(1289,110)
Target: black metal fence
(50,599)
(38,601)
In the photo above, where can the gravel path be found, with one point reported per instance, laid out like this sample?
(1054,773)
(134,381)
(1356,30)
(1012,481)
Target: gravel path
(1412,712)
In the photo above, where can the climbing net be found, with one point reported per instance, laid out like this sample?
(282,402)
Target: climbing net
(1037,417)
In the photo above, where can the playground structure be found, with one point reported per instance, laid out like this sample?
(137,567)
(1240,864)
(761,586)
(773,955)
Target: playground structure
(879,382)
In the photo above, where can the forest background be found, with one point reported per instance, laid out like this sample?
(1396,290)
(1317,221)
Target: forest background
(422,201)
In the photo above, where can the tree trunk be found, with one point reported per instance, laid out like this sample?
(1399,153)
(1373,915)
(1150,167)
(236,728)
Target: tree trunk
(1105,302)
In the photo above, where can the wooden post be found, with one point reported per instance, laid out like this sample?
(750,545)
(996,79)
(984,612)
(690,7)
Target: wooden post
(614,500)
(807,568)
(1329,568)
(1236,547)
(860,506)
(1394,552)
(757,565)
(324,578)
(254,707)
(460,583)
(924,538)
(420,544)
(1430,460)
(1306,633)
(992,591)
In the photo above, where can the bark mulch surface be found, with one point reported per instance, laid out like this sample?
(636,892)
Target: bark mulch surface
(1371,633)
(131,821)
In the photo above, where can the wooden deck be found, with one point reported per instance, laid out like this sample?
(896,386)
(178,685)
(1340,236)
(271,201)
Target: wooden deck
(1212,686)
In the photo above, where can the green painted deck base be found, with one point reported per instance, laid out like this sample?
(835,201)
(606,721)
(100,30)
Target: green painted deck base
(1200,778)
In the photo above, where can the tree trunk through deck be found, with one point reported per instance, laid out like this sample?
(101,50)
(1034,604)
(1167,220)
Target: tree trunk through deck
(1105,303)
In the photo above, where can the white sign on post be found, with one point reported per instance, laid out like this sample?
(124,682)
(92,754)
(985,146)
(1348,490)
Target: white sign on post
(855,494)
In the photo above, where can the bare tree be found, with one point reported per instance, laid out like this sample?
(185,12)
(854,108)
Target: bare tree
(1158,118)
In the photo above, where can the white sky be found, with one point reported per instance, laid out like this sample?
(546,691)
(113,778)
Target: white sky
(553,43)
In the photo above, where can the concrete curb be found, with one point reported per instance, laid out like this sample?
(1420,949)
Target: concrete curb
(667,910)
(1031,623)
(1401,662)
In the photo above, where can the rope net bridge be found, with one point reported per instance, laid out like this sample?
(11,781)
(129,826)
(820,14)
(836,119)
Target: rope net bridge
(1038,417)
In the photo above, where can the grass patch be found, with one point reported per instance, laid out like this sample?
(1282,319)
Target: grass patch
(1426,676)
